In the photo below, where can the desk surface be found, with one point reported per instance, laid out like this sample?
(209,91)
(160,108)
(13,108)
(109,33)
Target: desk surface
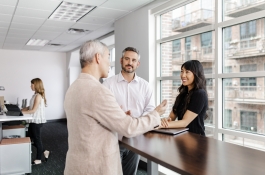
(5,118)
(189,153)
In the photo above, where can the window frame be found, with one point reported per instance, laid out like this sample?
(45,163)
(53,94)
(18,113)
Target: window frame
(218,75)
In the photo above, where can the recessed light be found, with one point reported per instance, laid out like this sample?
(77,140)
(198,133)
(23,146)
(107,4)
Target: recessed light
(67,10)
(77,31)
(37,42)
(55,45)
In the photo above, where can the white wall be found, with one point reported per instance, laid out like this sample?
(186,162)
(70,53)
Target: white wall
(17,68)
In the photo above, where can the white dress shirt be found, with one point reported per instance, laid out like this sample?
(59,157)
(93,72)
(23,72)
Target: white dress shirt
(136,96)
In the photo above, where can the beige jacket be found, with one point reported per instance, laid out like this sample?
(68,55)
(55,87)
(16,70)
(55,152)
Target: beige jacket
(93,120)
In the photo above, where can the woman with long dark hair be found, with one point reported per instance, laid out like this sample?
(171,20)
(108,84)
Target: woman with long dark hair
(192,102)
(37,109)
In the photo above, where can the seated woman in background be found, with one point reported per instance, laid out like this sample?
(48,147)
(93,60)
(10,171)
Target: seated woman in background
(192,102)
(37,109)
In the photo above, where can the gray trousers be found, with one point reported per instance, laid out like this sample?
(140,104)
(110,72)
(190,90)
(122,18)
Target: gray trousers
(129,161)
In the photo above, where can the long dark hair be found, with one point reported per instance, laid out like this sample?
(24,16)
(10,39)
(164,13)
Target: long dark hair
(199,83)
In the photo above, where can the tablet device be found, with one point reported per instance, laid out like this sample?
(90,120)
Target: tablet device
(171,131)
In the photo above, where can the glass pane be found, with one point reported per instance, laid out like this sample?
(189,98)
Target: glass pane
(191,16)
(210,120)
(254,144)
(237,8)
(169,91)
(233,139)
(244,104)
(244,142)
(198,47)
(209,133)
(244,47)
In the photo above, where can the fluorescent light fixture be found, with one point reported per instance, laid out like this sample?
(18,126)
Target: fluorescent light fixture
(37,42)
(68,11)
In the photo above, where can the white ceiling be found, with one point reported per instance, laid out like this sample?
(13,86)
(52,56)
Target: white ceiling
(21,20)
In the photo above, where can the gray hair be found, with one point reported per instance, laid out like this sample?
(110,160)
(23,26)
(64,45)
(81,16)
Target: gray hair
(131,49)
(89,49)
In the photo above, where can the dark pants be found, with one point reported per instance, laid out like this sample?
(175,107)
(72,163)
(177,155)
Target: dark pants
(34,132)
(129,161)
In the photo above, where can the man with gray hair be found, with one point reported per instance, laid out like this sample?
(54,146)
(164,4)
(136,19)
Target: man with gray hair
(94,118)
(134,95)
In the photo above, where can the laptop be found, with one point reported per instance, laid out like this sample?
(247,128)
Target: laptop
(171,131)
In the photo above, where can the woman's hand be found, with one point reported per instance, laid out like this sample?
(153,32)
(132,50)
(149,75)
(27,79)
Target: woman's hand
(164,122)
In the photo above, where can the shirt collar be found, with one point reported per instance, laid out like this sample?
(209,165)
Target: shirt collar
(121,78)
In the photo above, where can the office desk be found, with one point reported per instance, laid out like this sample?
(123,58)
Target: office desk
(5,118)
(189,153)
(15,154)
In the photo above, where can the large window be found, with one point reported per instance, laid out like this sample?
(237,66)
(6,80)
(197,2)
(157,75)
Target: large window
(232,52)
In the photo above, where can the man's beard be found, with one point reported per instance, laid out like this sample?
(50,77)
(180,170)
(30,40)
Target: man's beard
(127,71)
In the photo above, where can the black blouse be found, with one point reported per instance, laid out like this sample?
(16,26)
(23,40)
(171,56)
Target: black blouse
(198,104)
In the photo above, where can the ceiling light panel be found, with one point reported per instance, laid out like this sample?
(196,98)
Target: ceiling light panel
(68,11)
(37,42)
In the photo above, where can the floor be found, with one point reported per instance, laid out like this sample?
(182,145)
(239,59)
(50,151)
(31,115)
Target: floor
(54,135)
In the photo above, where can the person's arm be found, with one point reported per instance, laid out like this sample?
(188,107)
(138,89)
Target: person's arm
(36,104)
(109,114)
(188,117)
(25,109)
(197,103)
(165,121)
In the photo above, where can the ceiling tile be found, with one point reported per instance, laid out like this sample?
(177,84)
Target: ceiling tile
(40,33)
(53,29)
(61,24)
(107,13)
(43,37)
(8,2)
(94,20)
(32,13)
(24,26)
(32,47)
(18,31)
(28,20)
(5,18)
(20,35)
(2,38)
(51,48)
(46,35)
(87,2)
(39,4)
(85,26)
(3,30)
(14,45)
(3,34)
(121,5)
(4,24)
(61,41)
(16,40)
(8,10)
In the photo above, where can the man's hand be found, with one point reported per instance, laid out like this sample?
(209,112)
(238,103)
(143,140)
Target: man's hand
(164,122)
(161,109)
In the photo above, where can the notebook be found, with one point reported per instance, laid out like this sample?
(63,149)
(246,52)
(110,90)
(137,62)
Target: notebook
(171,130)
